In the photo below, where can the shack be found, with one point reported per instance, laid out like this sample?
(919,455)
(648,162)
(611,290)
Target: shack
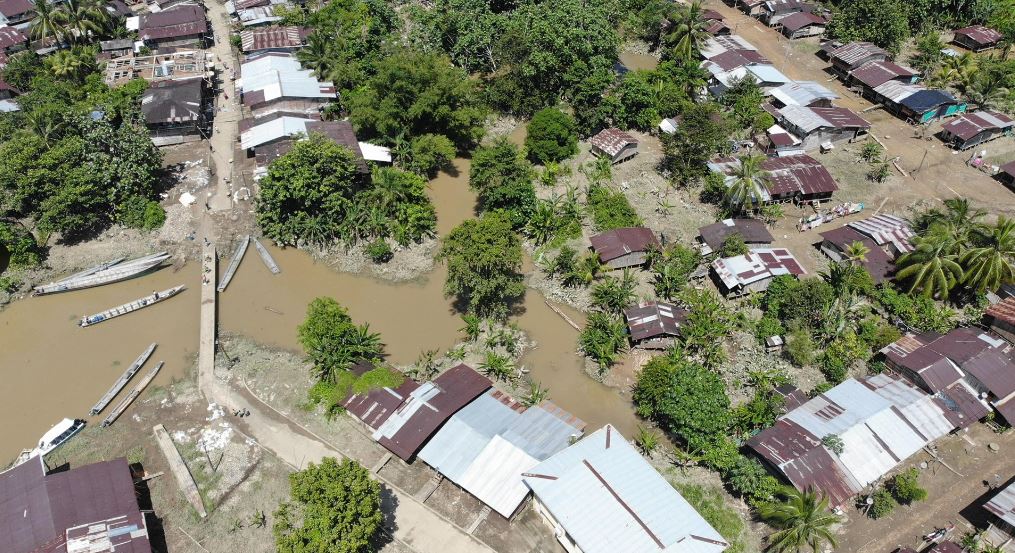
(798,178)
(624,247)
(881,421)
(876,73)
(12,40)
(1001,529)
(488,445)
(17,13)
(72,510)
(184,25)
(834,244)
(655,324)
(972,129)
(853,55)
(614,144)
(277,83)
(1006,174)
(1000,318)
(977,38)
(752,231)
(601,496)
(927,105)
(775,11)
(815,126)
(753,272)
(802,25)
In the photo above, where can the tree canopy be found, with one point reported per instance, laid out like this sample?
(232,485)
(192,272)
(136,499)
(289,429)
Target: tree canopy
(333,342)
(552,136)
(685,397)
(334,506)
(502,178)
(484,257)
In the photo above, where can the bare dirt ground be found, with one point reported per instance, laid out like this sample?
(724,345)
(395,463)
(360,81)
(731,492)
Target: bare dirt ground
(935,171)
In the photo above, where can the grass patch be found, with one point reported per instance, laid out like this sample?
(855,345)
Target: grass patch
(710,503)
(330,395)
(610,209)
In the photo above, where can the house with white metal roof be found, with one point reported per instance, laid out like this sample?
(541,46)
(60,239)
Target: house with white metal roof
(817,126)
(754,271)
(485,447)
(277,82)
(803,93)
(275,129)
(600,496)
(766,76)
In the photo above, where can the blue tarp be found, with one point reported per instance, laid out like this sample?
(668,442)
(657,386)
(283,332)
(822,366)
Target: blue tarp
(927,100)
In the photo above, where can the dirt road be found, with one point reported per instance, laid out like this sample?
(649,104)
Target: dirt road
(224,134)
(937,172)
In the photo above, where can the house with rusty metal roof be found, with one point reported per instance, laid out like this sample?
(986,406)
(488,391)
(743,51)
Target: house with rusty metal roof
(752,231)
(881,421)
(1001,529)
(796,177)
(339,132)
(1000,318)
(174,110)
(654,325)
(802,25)
(601,496)
(427,408)
(716,24)
(876,73)
(915,103)
(753,271)
(886,237)
(775,11)
(614,144)
(182,25)
(375,406)
(817,126)
(969,368)
(12,40)
(272,39)
(720,44)
(16,13)
(972,129)
(488,445)
(87,509)
(977,38)
(624,247)
(853,55)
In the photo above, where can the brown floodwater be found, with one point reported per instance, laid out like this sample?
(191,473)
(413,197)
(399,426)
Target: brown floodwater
(635,61)
(52,369)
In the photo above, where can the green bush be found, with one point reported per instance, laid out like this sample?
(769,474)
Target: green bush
(906,488)
(749,478)
(767,327)
(918,312)
(713,508)
(883,504)
(431,153)
(733,245)
(552,136)
(20,245)
(9,284)
(141,213)
(376,378)
(379,251)
(610,209)
(800,348)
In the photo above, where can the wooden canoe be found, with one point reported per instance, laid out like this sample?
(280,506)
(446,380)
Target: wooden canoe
(123,380)
(266,257)
(116,273)
(234,264)
(123,405)
(130,307)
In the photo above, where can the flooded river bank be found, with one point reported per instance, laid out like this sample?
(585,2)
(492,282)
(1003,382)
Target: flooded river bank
(52,369)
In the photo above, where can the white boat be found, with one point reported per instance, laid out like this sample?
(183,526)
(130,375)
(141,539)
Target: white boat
(269,262)
(52,439)
(130,307)
(122,381)
(116,273)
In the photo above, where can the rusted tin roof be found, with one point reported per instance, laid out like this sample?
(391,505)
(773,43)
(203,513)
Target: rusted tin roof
(374,407)
(968,125)
(752,231)
(798,174)
(612,140)
(616,243)
(983,36)
(654,319)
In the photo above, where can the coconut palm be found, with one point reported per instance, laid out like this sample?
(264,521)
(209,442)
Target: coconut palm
(992,264)
(956,70)
(65,63)
(802,520)
(844,277)
(689,32)
(614,295)
(959,217)
(82,18)
(542,223)
(46,24)
(932,268)
(691,78)
(317,53)
(986,91)
(750,183)
(857,251)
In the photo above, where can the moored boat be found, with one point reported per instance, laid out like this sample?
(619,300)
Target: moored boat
(266,257)
(130,307)
(115,273)
(234,264)
(122,381)
(52,439)
(123,405)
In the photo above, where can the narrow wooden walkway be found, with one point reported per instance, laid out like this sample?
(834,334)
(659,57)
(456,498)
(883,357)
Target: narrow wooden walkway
(179,469)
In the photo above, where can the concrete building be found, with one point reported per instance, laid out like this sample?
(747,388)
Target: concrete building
(180,65)
(601,496)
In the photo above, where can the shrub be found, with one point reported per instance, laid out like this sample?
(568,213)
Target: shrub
(141,213)
(733,245)
(9,284)
(552,136)
(713,508)
(800,347)
(376,378)
(883,504)
(379,251)
(906,488)
(714,191)
(833,443)
(20,245)
(749,478)
(767,327)
(610,209)
(431,153)
(918,312)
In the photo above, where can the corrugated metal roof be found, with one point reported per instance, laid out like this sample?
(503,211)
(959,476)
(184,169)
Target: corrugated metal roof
(854,52)
(984,36)
(884,229)
(9,36)
(14,8)
(896,91)
(173,101)
(968,125)
(756,265)
(752,231)
(810,119)
(266,38)
(275,129)
(878,72)
(616,243)
(767,74)
(719,44)
(179,21)
(926,100)
(1002,505)
(612,140)
(485,447)
(799,20)
(610,500)
(802,93)
(654,319)
(798,174)
(995,368)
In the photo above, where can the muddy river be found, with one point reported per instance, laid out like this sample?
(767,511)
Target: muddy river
(52,369)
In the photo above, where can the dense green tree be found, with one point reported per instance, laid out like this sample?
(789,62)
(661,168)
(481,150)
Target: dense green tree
(549,48)
(802,521)
(502,179)
(19,245)
(928,55)
(701,134)
(21,68)
(992,262)
(430,153)
(464,30)
(614,295)
(414,94)
(672,268)
(552,136)
(610,209)
(81,19)
(683,397)
(707,326)
(883,22)
(743,102)
(47,23)
(932,268)
(688,31)
(333,342)
(905,486)
(484,260)
(333,506)
(603,338)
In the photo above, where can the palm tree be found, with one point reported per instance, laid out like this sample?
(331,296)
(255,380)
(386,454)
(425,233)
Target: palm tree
(691,77)
(316,55)
(542,223)
(750,183)
(956,70)
(960,219)
(844,277)
(65,63)
(857,252)
(363,344)
(689,32)
(992,264)
(986,91)
(931,268)
(82,18)
(802,521)
(46,23)
(497,366)
(614,295)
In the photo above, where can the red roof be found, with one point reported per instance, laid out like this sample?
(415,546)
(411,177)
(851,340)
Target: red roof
(616,243)
(1003,311)
(709,15)
(879,72)
(877,262)
(13,8)
(266,38)
(732,59)
(654,319)
(798,174)
(800,20)
(1008,168)
(983,36)
(9,36)
(969,125)
(376,406)
(180,21)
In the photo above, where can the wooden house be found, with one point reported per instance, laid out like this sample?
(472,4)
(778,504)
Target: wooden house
(802,25)
(972,129)
(624,247)
(614,144)
(854,55)
(977,38)
(654,325)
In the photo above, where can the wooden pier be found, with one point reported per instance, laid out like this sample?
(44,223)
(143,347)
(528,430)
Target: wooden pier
(122,381)
(123,405)
(234,264)
(130,307)
(179,469)
(269,261)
